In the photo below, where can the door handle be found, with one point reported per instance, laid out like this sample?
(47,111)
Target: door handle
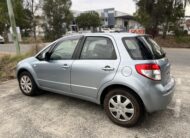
(108,68)
(65,66)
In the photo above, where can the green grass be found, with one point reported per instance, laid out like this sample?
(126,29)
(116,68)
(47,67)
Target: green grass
(183,39)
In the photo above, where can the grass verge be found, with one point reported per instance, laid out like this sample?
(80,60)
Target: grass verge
(174,42)
(8,65)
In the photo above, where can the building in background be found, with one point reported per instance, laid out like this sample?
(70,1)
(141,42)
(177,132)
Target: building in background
(10,34)
(185,24)
(127,22)
(110,18)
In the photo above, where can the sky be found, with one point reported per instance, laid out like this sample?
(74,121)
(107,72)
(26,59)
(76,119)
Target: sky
(127,6)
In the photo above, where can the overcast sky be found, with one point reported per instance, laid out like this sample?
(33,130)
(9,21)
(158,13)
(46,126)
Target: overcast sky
(127,6)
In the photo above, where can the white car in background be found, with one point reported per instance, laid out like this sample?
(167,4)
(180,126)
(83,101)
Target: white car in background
(108,30)
(2,40)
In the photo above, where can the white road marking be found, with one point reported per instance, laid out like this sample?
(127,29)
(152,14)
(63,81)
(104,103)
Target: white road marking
(177,108)
(178,80)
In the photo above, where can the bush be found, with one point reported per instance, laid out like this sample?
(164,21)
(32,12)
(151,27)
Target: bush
(174,42)
(180,32)
(183,39)
(31,40)
(181,36)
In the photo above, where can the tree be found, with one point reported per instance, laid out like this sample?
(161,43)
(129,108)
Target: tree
(87,20)
(21,16)
(4,18)
(26,26)
(154,13)
(173,12)
(58,17)
(32,7)
(146,15)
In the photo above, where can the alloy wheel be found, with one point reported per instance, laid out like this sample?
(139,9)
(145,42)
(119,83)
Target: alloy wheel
(26,84)
(121,108)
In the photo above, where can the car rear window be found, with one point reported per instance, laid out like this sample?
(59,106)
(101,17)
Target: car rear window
(143,48)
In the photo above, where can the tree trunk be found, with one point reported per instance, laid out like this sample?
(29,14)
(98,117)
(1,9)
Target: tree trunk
(35,38)
(5,35)
(34,27)
(165,29)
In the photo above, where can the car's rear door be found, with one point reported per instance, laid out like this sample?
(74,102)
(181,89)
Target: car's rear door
(144,49)
(96,65)
(161,60)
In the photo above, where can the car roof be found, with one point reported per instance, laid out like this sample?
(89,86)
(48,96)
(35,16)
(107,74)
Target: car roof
(104,34)
(112,34)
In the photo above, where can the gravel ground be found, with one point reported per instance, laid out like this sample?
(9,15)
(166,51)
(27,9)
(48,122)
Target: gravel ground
(54,115)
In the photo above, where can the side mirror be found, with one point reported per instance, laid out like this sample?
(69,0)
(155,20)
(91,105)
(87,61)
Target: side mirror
(47,56)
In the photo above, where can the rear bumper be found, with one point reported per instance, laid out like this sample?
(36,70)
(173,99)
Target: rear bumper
(160,96)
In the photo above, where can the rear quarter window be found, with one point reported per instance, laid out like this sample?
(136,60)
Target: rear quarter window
(157,51)
(143,48)
(136,49)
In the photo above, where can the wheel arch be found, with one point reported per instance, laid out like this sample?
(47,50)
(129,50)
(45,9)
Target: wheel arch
(19,71)
(114,86)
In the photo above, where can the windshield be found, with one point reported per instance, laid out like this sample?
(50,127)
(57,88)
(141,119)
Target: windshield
(143,48)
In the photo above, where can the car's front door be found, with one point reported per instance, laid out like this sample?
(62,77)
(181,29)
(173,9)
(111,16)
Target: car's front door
(54,74)
(97,64)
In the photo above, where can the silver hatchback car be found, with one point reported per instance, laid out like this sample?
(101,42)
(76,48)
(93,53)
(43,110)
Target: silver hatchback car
(126,73)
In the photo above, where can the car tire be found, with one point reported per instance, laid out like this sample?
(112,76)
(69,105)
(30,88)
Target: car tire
(122,107)
(27,84)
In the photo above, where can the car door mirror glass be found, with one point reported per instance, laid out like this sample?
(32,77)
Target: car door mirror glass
(47,56)
(42,55)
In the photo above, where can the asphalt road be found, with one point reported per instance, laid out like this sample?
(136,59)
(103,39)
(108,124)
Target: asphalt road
(178,56)
(54,115)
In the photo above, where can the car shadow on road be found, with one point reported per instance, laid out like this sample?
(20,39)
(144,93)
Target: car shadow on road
(148,121)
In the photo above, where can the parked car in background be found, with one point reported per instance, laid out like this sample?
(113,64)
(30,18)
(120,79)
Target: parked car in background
(108,30)
(2,41)
(70,33)
(126,73)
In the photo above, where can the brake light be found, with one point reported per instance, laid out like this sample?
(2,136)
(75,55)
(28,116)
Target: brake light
(151,71)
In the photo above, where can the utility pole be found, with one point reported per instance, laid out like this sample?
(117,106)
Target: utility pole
(13,25)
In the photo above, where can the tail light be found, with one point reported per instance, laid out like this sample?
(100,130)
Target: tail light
(151,71)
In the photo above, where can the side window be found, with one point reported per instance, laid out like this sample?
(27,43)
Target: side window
(64,49)
(98,48)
